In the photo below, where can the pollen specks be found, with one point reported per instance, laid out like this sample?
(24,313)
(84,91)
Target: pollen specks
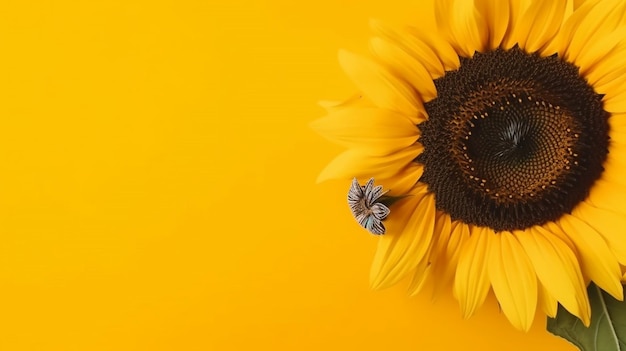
(504,137)
(517,129)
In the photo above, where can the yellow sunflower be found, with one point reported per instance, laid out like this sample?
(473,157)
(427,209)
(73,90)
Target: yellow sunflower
(501,138)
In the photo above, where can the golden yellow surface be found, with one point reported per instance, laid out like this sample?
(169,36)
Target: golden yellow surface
(157,185)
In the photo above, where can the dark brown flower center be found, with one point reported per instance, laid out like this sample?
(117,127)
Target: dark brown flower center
(512,140)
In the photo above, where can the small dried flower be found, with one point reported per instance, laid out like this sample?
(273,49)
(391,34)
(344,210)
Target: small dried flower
(366,207)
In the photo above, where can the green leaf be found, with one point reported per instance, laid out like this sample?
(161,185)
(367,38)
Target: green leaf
(607,331)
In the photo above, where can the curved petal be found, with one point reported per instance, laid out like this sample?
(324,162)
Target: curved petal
(443,230)
(383,88)
(356,193)
(591,24)
(415,47)
(557,269)
(617,144)
(547,302)
(380,211)
(555,230)
(410,229)
(445,253)
(516,10)
(597,261)
(607,195)
(406,66)
(458,20)
(422,277)
(441,237)
(539,24)
(354,163)
(610,225)
(374,131)
(598,52)
(496,17)
(614,90)
(513,280)
(471,283)
(615,104)
(400,183)
(563,38)
(617,132)
(371,192)
(614,166)
(443,49)
(357,100)
(578,3)
(610,69)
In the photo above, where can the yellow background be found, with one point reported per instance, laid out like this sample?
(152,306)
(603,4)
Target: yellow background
(157,184)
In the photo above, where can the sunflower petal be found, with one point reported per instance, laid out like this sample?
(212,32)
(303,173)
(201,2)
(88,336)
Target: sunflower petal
(594,25)
(557,269)
(375,131)
(578,3)
(597,261)
(458,21)
(563,38)
(617,127)
(355,163)
(496,16)
(422,276)
(613,176)
(516,10)
(616,104)
(618,134)
(413,46)
(615,99)
(383,88)
(603,76)
(441,237)
(610,70)
(400,183)
(443,230)
(607,195)
(402,214)
(609,225)
(448,249)
(406,66)
(410,229)
(442,48)
(471,283)
(555,230)
(357,100)
(547,302)
(539,24)
(599,51)
(513,280)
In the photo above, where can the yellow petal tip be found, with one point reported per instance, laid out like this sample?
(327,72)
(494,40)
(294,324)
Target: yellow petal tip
(376,283)
(375,23)
(322,177)
(344,56)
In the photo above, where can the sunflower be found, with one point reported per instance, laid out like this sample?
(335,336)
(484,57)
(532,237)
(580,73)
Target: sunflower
(501,138)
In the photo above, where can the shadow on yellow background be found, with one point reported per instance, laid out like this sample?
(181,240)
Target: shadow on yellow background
(157,185)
